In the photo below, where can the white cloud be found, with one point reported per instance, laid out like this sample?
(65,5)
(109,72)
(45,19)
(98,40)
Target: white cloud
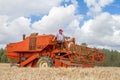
(12,17)
(103,30)
(58,17)
(13,30)
(103,3)
(18,8)
(95,6)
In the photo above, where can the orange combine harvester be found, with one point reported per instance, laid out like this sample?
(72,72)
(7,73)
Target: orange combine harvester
(42,51)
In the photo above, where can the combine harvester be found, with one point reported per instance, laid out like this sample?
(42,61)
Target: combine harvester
(42,51)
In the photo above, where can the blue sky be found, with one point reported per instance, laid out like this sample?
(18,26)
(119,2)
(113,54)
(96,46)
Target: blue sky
(95,22)
(82,8)
(113,8)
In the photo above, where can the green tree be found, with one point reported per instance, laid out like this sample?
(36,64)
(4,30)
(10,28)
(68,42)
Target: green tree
(112,58)
(3,57)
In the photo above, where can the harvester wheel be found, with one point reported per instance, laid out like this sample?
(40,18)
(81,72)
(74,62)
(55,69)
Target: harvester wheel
(45,62)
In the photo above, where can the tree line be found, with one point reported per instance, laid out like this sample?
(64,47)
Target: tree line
(112,57)
(3,57)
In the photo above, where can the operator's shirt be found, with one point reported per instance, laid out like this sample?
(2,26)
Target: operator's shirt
(60,37)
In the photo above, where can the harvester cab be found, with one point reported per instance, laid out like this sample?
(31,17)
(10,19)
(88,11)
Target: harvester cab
(42,51)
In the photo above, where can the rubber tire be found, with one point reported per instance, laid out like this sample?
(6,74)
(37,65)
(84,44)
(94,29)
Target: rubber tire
(45,61)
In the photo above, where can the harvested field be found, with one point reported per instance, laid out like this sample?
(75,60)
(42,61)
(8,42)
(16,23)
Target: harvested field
(97,73)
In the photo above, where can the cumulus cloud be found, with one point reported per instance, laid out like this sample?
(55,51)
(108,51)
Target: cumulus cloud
(16,8)
(13,30)
(58,17)
(95,6)
(103,30)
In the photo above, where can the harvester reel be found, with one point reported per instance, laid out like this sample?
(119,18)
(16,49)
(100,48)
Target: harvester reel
(99,57)
(44,61)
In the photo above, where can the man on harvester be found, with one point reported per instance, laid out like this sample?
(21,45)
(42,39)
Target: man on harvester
(60,38)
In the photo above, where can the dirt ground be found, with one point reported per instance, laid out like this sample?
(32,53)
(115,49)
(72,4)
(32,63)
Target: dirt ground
(28,73)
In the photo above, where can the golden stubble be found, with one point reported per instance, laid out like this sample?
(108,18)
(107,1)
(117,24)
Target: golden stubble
(28,73)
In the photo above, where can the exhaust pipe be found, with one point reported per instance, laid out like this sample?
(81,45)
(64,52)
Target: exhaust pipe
(24,36)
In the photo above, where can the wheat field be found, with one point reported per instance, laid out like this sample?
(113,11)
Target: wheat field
(97,73)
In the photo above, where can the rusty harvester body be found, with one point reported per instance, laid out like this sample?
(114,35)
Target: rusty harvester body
(41,51)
